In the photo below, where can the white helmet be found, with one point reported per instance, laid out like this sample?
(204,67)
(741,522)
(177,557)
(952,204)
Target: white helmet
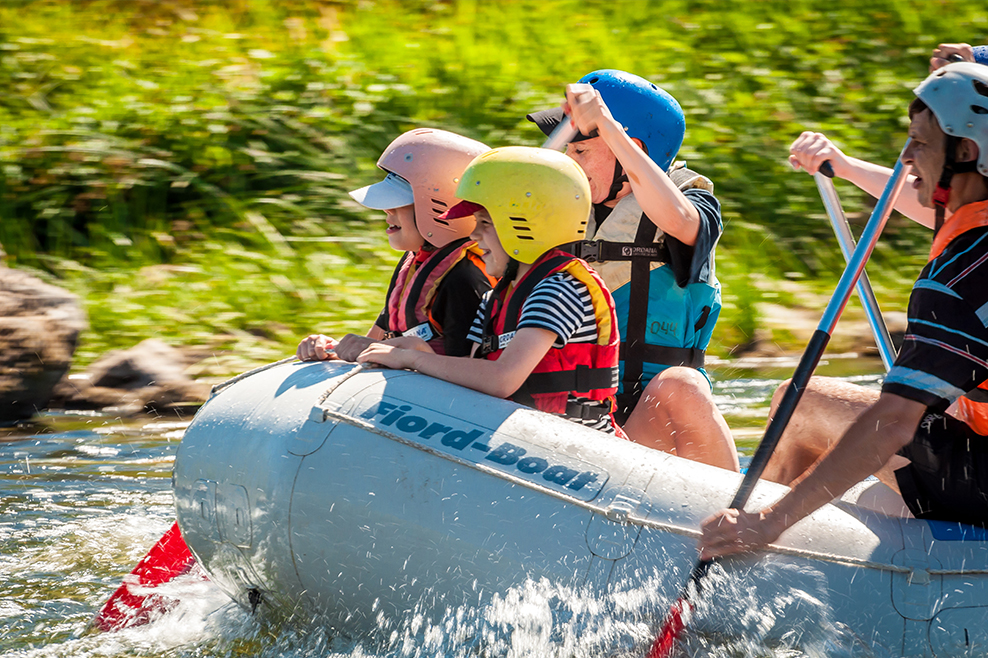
(957,94)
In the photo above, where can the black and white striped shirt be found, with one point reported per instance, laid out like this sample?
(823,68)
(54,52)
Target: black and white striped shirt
(561,304)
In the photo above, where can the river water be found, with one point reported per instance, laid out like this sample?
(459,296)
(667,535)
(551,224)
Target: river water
(84,496)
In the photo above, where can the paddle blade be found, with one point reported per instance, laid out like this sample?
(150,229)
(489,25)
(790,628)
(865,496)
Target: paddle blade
(672,628)
(130,605)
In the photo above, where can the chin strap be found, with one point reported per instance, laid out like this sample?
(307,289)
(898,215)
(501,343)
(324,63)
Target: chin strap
(617,181)
(941,195)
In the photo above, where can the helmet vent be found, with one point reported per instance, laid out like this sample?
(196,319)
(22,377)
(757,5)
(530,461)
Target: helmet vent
(593,80)
(519,224)
(439,206)
(977,109)
(980,87)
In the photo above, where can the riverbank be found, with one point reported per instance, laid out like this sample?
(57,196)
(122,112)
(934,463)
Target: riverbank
(183,168)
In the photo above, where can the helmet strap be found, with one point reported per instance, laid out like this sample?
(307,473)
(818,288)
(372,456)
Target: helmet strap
(617,181)
(941,195)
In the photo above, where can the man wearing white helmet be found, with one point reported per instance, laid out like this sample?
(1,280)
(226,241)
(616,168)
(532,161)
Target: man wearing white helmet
(907,438)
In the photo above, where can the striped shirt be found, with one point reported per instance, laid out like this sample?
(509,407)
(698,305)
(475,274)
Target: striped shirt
(561,304)
(945,350)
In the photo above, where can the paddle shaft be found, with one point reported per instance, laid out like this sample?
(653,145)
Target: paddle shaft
(846,241)
(800,379)
(561,135)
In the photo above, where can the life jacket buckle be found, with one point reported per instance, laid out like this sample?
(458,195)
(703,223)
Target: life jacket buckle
(589,250)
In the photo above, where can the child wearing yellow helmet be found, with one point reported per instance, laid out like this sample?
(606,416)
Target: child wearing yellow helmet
(546,336)
(440,279)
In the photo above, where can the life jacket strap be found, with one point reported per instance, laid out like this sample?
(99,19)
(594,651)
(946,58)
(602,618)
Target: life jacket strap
(583,378)
(594,251)
(977,395)
(588,409)
(690,357)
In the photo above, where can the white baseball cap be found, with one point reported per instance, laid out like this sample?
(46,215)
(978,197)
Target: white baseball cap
(392,192)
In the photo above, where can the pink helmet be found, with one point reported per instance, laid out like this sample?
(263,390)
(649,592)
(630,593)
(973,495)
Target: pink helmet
(432,162)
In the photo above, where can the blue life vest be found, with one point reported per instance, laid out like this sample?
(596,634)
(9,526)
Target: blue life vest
(675,325)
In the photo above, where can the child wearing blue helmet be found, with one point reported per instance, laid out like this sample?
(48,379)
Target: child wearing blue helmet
(652,238)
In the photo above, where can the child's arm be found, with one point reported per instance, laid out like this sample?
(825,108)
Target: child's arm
(499,378)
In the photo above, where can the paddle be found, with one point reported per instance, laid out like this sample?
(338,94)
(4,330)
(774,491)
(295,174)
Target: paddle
(843,232)
(561,135)
(167,559)
(673,625)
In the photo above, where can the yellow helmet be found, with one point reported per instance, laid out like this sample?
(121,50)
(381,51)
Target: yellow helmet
(537,198)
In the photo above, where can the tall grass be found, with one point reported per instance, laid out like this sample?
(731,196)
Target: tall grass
(209,145)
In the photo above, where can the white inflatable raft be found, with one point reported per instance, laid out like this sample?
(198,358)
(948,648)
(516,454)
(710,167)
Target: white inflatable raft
(339,495)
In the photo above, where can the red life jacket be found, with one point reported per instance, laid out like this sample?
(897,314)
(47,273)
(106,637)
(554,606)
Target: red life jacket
(413,289)
(583,370)
(971,408)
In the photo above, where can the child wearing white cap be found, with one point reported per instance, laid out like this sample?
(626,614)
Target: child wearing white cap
(440,279)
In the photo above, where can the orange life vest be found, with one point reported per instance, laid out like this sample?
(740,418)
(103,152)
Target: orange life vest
(972,408)
(585,370)
(413,289)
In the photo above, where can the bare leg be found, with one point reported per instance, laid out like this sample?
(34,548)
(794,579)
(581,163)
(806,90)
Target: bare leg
(677,414)
(826,410)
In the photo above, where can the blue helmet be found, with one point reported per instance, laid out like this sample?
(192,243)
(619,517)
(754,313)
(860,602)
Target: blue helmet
(645,111)
(980,54)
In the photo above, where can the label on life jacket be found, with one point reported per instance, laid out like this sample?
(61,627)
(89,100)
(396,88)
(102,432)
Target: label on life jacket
(479,446)
(423,331)
(487,345)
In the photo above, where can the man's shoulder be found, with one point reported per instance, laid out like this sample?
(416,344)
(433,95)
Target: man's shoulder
(964,254)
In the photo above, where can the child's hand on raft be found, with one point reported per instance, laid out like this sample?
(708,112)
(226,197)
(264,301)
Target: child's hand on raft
(811,150)
(388,356)
(316,347)
(410,343)
(351,345)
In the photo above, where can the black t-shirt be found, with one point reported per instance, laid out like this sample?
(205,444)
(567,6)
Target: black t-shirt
(454,306)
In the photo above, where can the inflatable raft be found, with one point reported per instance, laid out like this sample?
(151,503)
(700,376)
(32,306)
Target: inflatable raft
(339,494)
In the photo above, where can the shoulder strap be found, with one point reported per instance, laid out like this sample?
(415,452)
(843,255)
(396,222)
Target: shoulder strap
(524,288)
(391,302)
(421,277)
(634,340)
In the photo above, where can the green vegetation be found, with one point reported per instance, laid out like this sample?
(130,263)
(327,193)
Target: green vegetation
(183,166)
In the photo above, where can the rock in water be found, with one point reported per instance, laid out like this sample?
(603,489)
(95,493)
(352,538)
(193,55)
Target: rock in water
(39,330)
(147,377)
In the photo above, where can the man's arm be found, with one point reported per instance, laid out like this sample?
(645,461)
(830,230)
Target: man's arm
(873,439)
(655,192)
(499,378)
(811,150)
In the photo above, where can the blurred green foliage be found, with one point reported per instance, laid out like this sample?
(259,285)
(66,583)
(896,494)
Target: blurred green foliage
(171,155)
